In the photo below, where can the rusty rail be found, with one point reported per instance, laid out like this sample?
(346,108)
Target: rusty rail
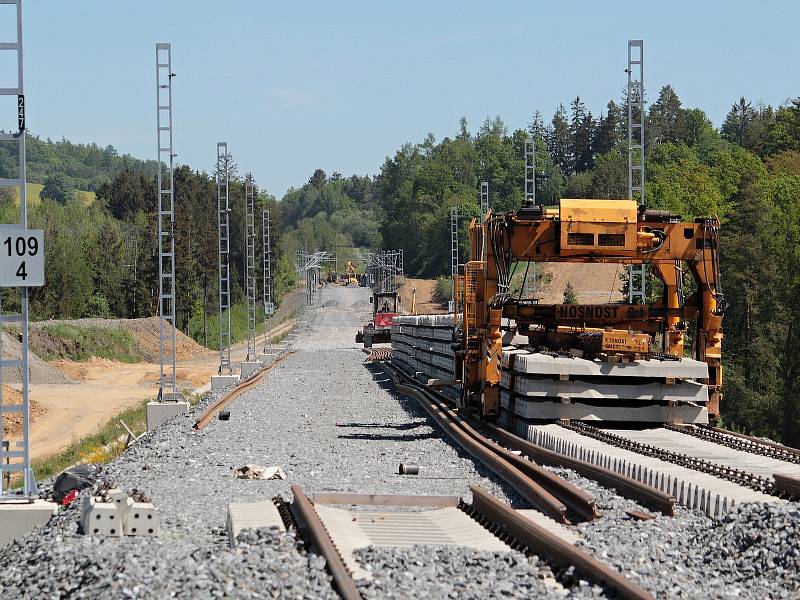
(378,354)
(527,488)
(577,500)
(787,485)
(548,545)
(214,409)
(626,486)
(309,521)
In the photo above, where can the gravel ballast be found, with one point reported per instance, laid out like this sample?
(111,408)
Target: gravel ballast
(332,424)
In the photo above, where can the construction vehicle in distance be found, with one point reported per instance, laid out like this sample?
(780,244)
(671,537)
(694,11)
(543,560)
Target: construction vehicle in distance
(379,329)
(535,362)
(350,274)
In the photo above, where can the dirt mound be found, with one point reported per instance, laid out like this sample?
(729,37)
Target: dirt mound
(145,330)
(425,304)
(12,422)
(40,370)
(79,370)
(594,283)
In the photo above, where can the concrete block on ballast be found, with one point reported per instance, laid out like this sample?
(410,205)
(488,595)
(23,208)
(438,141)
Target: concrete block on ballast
(121,499)
(142,519)
(159,413)
(101,518)
(18,519)
(250,367)
(219,382)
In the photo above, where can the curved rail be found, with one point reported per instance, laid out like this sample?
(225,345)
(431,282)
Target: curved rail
(626,486)
(212,410)
(546,544)
(308,519)
(538,486)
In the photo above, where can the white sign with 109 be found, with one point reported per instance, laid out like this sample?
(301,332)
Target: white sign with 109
(21,257)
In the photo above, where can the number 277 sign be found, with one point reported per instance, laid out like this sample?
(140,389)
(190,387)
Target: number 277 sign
(21,258)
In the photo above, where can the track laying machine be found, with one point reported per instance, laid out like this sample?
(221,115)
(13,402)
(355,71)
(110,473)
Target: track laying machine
(658,362)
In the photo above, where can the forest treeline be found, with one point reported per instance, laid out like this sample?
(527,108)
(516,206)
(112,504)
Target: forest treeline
(746,172)
(102,258)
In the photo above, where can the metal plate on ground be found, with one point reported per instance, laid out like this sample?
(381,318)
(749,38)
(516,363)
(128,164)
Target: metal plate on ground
(252,515)
(445,526)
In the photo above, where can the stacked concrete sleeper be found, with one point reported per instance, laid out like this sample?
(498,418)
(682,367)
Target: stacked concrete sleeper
(537,386)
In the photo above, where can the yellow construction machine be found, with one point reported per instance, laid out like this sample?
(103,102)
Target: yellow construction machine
(350,274)
(567,353)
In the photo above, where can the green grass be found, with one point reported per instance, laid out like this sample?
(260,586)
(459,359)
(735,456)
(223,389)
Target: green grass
(210,338)
(34,189)
(61,340)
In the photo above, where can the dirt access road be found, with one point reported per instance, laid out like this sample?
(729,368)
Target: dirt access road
(105,388)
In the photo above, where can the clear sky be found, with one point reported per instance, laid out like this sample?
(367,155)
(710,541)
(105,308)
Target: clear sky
(293,86)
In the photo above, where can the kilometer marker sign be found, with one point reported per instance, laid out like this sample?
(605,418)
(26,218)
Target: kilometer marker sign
(21,257)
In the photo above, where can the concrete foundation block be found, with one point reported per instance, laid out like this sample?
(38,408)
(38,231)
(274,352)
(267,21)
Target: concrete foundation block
(18,519)
(159,413)
(142,520)
(122,501)
(248,368)
(268,358)
(219,382)
(102,518)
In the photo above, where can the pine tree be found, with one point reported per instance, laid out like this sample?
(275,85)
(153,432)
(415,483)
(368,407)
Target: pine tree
(581,129)
(737,122)
(558,141)
(610,128)
(665,122)
(570,297)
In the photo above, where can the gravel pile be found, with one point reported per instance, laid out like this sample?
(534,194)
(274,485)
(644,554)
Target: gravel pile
(453,572)
(319,415)
(60,563)
(752,552)
(40,370)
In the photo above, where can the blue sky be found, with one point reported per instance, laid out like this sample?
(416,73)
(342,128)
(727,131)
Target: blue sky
(293,86)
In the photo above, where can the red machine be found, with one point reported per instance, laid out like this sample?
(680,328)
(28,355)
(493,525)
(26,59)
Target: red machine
(379,330)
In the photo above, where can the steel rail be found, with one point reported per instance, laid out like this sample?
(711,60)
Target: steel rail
(626,486)
(524,485)
(757,441)
(309,521)
(239,389)
(737,476)
(577,500)
(548,545)
(787,484)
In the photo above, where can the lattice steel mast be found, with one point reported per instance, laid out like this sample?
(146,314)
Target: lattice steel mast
(454,250)
(223,222)
(637,274)
(530,285)
(17,456)
(484,198)
(266,257)
(166,224)
(250,265)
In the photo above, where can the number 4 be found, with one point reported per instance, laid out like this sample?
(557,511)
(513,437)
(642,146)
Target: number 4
(21,272)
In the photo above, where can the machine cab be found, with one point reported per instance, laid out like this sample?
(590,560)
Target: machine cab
(384,308)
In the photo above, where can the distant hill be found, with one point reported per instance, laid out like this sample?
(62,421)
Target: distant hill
(86,166)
